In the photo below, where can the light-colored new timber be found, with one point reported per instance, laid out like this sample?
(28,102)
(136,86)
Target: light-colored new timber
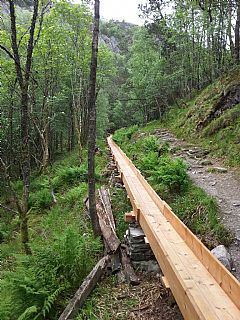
(130,217)
(165,282)
(146,240)
(201,285)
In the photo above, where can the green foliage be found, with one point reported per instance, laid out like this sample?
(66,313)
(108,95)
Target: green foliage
(38,280)
(70,176)
(41,199)
(75,195)
(172,174)
(151,143)
(148,163)
(120,206)
(222,134)
(163,171)
(102,113)
(198,211)
(124,134)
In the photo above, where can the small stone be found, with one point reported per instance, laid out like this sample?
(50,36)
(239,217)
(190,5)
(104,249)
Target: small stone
(214,183)
(221,253)
(205,162)
(218,169)
(149,266)
(236,204)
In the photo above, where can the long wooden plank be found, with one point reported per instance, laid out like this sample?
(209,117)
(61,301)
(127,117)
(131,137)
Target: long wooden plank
(202,287)
(85,289)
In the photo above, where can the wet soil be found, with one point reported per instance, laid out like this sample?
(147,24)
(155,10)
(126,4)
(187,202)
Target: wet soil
(218,181)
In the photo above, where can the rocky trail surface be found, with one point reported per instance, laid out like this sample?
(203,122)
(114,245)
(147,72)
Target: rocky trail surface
(219,182)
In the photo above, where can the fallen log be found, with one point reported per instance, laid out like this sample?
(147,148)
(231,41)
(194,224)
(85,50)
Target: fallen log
(119,258)
(105,198)
(106,221)
(85,289)
(108,233)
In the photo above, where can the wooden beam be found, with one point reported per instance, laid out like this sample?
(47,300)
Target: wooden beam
(85,289)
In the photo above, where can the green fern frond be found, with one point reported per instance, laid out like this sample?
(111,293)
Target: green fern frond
(27,313)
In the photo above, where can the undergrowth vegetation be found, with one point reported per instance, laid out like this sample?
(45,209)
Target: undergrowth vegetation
(169,178)
(64,249)
(211,119)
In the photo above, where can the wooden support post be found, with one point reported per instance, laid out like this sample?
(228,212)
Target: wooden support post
(118,179)
(130,217)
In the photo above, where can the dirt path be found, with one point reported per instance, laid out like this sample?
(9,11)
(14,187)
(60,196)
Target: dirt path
(221,183)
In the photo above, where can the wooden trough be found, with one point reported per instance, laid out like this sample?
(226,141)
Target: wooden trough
(202,286)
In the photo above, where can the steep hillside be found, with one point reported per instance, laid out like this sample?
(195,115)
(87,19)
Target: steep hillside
(212,118)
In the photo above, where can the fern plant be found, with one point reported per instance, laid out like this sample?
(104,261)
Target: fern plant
(171,173)
(32,290)
(151,143)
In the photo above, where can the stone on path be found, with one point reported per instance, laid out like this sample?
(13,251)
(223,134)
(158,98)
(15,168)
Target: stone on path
(221,253)
(218,169)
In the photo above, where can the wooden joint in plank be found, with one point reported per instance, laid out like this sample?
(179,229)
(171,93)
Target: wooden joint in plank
(130,217)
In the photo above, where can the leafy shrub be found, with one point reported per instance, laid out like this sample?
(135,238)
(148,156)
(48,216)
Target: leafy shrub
(151,143)
(32,291)
(41,199)
(171,173)
(164,148)
(5,230)
(148,163)
(69,176)
(124,134)
(39,183)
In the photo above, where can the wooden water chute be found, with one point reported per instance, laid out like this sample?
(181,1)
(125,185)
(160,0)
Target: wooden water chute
(201,285)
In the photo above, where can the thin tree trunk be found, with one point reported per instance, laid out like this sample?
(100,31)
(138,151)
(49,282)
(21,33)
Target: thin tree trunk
(23,79)
(237,35)
(92,124)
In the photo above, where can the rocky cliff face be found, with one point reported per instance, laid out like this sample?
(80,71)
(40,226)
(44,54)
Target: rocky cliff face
(118,36)
(111,42)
